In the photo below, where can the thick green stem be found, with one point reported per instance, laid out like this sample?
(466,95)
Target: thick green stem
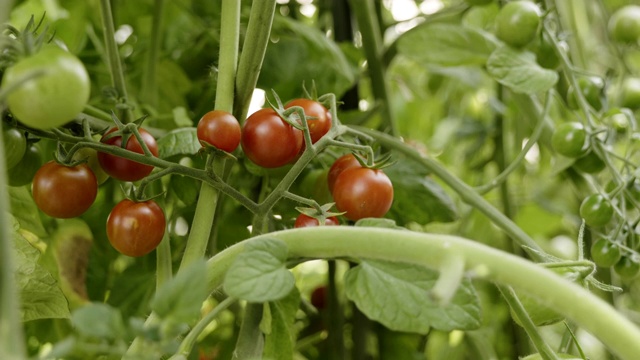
(250,339)
(115,66)
(372,43)
(465,192)
(149,85)
(163,261)
(431,250)
(253,50)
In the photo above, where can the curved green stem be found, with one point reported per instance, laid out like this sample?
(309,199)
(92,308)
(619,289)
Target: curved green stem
(253,50)
(465,192)
(431,250)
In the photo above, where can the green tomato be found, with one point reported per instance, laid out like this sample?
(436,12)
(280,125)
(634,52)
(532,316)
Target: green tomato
(624,24)
(22,174)
(546,55)
(592,89)
(570,140)
(15,144)
(590,163)
(626,268)
(517,23)
(56,95)
(605,253)
(596,210)
(630,93)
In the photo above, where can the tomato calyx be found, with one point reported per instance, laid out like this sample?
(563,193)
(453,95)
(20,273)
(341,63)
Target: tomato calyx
(321,214)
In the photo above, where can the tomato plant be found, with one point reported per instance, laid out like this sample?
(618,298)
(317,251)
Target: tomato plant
(631,93)
(361,193)
(219,129)
(319,118)
(517,23)
(624,24)
(64,192)
(269,141)
(341,164)
(590,163)
(596,210)
(136,228)
(25,170)
(305,221)
(626,267)
(605,253)
(570,139)
(125,169)
(15,146)
(55,94)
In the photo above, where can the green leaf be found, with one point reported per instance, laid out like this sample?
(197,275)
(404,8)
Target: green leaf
(416,197)
(280,340)
(446,45)
(183,141)
(519,71)
(397,295)
(25,211)
(181,297)
(259,273)
(98,320)
(41,296)
(304,55)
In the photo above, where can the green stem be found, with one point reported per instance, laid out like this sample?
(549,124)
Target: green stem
(149,85)
(431,250)
(372,43)
(163,261)
(115,66)
(250,339)
(190,340)
(465,192)
(253,50)
(532,331)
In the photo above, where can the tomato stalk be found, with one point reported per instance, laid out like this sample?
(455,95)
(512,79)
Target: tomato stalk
(149,91)
(431,250)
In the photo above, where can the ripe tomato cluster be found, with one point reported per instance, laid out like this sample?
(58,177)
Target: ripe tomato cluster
(267,139)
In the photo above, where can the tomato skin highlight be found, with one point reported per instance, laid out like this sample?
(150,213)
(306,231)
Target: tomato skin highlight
(269,141)
(319,126)
(341,164)
(220,129)
(136,228)
(53,98)
(307,221)
(362,193)
(125,169)
(62,191)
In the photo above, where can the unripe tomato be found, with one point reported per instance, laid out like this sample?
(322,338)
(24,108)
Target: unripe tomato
(626,268)
(319,126)
(570,139)
(269,141)
(605,253)
(624,24)
(15,144)
(64,192)
(55,97)
(341,164)
(362,193)
(590,163)
(517,23)
(136,228)
(630,96)
(596,210)
(219,129)
(125,169)
(592,89)
(23,173)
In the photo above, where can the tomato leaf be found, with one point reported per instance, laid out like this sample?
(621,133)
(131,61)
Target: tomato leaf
(25,211)
(98,321)
(41,295)
(446,45)
(397,295)
(181,297)
(259,273)
(417,198)
(279,341)
(183,141)
(304,55)
(519,71)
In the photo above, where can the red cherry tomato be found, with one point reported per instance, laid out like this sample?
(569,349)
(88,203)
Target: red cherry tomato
(220,129)
(62,191)
(362,192)
(319,126)
(305,221)
(125,169)
(319,297)
(341,164)
(269,141)
(136,228)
